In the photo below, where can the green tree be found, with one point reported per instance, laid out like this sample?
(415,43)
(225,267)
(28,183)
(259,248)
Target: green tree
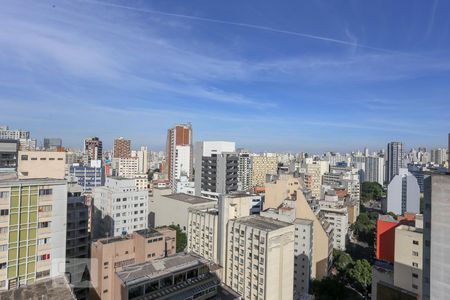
(341,260)
(361,274)
(329,288)
(181,238)
(371,191)
(365,227)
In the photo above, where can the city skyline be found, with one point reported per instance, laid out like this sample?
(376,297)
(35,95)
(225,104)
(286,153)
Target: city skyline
(268,78)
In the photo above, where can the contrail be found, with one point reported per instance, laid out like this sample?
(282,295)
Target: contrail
(246,25)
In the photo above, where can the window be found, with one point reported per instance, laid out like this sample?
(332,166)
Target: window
(43,257)
(42,274)
(34,158)
(415,253)
(44,224)
(4,195)
(415,275)
(4,212)
(43,192)
(2,283)
(416,242)
(45,208)
(51,158)
(414,286)
(3,247)
(105,277)
(415,264)
(24,157)
(43,241)
(2,266)
(3,230)
(105,291)
(43,158)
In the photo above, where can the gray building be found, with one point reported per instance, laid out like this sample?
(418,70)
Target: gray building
(394,160)
(77,243)
(403,194)
(8,155)
(436,259)
(244,170)
(216,168)
(52,143)
(374,169)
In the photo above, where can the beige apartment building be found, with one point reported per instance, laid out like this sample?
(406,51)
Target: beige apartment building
(288,187)
(41,164)
(315,171)
(261,166)
(408,257)
(259,258)
(110,255)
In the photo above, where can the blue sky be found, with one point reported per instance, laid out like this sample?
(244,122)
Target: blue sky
(270,75)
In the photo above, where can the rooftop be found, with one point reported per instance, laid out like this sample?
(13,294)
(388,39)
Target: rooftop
(262,223)
(31,181)
(148,271)
(51,289)
(188,198)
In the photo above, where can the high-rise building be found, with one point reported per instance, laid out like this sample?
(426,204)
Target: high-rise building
(119,207)
(122,148)
(403,194)
(11,134)
(127,167)
(289,191)
(436,238)
(315,170)
(394,160)
(260,260)
(93,150)
(216,168)
(87,177)
(32,230)
(142,155)
(179,153)
(245,170)
(111,255)
(52,143)
(439,156)
(77,243)
(262,165)
(8,155)
(374,169)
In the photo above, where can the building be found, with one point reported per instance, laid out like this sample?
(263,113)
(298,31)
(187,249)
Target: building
(261,166)
(259,260)
(439,156)
(77,239)
(111,255)
(303,246)
(122,148)
(119,208)
(93,150)
(126,167)
(11,134)
(183,276)
(374,169)
(52,143)
(179,153)
(245,171)
(8,155)
(87,177)
(177,204)
(216,168)
(42,164)
(54,288)
(142,155)
(315,171)
(436,238)
(394,160)
(336,214)
(32,230)
(408,257)
(184,186)
(386,238)
(403,194)
(288,189)
(207,224)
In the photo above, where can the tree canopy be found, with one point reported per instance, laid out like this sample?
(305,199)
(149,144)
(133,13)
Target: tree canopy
(361,273)
(365,227)
(181,238)
(371,191)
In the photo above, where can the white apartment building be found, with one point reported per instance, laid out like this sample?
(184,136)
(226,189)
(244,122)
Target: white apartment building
(13,134)
(374,169)
(303,246)
(126,167)
(202,232)
(259,260)
(261,166)
(119,207)
(403,194)
(141,181)
(142,156)
(184,186)
(336,214)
